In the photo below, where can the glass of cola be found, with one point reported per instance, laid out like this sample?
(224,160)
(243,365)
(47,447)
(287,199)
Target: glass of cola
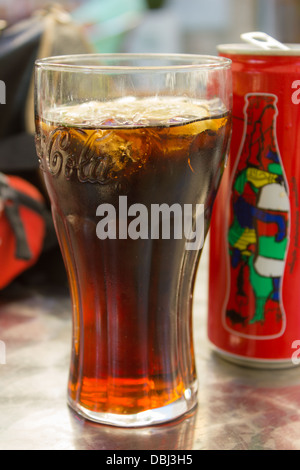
(132,149)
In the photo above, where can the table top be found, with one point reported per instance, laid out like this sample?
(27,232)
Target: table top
(238,408)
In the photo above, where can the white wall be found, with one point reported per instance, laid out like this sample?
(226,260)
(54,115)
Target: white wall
(193,26)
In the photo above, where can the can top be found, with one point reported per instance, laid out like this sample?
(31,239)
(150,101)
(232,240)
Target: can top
(249,49)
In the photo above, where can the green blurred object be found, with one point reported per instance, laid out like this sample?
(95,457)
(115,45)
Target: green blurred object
(155,4)
(107,22)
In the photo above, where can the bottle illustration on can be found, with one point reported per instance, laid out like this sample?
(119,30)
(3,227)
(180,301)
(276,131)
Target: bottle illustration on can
(257,235)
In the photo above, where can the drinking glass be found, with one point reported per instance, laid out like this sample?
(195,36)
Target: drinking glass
(132,148)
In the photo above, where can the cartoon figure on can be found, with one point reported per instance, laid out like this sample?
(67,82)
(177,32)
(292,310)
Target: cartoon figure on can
(259,226)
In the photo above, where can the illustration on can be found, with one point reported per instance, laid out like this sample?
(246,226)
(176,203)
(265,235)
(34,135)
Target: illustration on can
(257,235)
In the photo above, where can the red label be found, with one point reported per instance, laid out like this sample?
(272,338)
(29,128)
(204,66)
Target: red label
(254,300)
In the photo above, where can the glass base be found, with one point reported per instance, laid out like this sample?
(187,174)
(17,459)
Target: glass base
(145,418)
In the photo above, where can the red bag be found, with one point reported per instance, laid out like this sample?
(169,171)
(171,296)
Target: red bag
(22,227)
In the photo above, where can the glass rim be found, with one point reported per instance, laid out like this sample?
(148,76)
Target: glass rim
(184,62)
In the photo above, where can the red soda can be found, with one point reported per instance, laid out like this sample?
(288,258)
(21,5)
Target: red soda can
(254,269)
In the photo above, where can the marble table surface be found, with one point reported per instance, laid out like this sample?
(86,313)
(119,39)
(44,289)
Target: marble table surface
(238,408)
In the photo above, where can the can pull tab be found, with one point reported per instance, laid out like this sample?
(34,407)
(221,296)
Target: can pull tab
(263,40)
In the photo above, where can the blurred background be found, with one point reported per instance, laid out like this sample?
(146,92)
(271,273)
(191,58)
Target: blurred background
(192,26)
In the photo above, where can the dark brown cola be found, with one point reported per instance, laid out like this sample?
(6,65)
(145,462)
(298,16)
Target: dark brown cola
(132,297)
